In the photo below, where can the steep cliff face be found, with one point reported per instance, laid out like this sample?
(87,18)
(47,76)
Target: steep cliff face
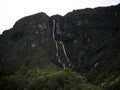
(89,38)
(28,44)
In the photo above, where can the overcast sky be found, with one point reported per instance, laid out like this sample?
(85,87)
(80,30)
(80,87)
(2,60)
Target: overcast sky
(12,10)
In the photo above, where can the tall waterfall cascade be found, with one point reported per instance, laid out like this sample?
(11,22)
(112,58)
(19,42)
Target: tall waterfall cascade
(57,49)
(56,44)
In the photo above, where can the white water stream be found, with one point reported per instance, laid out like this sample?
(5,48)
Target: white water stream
(57,51)
(65,52)
(56,44)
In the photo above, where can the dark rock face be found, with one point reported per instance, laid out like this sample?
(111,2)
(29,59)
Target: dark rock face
(28,44)
(91,38)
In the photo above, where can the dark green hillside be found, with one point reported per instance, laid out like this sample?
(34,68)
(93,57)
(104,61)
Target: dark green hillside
(86,43)
(93,41)
(28,44)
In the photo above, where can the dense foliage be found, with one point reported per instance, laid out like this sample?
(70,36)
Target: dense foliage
(34,79)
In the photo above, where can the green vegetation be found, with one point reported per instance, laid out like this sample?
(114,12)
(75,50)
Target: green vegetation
(34,79)
(92,41)
(111,83)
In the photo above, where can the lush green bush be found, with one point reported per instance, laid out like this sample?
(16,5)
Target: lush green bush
(34,79)
(113,84)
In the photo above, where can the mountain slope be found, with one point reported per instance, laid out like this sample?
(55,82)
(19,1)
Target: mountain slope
(87,41)
(28,44)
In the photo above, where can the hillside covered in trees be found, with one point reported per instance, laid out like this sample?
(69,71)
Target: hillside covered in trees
(78,51)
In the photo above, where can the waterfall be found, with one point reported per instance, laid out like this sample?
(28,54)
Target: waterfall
(56,44)
(57,50)
(63,65)
(65,52)
(54,31)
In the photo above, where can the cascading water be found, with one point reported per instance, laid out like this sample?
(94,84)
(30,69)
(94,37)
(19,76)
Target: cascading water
(65,52)
(56,44)
(57,51)
(68,60)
